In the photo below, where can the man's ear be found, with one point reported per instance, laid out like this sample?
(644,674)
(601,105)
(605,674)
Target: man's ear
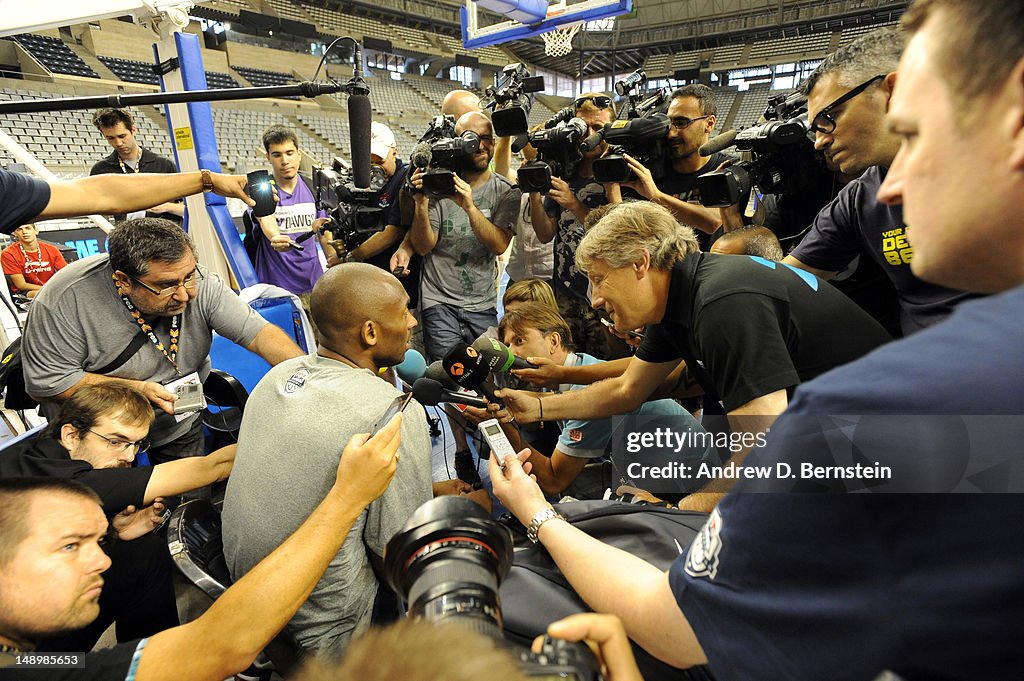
(1015,99)
(555,340)
(888,85)
(370,333)
(123,281)
(69,437)
(642,265)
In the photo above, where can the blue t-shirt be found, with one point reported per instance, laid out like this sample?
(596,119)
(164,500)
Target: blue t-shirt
(22,198)
(590,439)
(842,586)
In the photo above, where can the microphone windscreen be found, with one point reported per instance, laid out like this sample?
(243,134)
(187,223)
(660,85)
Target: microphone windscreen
(717,143)
(427,392)
(463,365)
(592,142)
(360,122)
(421,155)
(412,367)
(437,373)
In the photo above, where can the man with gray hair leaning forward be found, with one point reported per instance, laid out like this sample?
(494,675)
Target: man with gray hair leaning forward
(750,330)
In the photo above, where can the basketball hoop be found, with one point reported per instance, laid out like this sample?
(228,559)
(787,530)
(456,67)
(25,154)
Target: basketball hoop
(558,41)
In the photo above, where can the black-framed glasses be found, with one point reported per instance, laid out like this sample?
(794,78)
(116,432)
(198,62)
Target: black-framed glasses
(189,282)
(600,101)
(825,122)
(123,445)
(682,123)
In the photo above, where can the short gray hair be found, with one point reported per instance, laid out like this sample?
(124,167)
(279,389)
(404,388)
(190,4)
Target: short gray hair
(629,230)
(872,54)
(134,243)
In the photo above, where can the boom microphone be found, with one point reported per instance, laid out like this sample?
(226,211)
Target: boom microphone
(498,357)
(430,393)
(359,122)
(717,143)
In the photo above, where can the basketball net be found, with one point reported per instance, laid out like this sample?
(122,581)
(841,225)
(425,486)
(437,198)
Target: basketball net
(558,41)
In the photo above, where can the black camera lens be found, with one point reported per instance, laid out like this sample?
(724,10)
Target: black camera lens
(448,561)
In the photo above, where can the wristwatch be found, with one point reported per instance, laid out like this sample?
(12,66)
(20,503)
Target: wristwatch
(207,179)
(542,517)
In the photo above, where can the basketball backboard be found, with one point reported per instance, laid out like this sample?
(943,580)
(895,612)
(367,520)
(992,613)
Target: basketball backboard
(476,32)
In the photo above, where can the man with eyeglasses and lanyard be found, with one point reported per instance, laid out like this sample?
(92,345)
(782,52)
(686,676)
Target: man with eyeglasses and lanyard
(847,99)
(143,314)
(94,440)
(128,158)
(692,115)
(560,216)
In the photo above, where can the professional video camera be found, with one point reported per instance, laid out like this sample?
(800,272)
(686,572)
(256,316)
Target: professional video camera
(447,564)
(441,126)
(445,157)
(779,156)
(355,213)
(558,147)
(511,100)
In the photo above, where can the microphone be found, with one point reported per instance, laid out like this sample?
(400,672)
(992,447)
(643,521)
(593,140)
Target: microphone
(465,366)
(520,142)
(430,393)
(412,367)
(436,372)
(717,143)
(421,155)
(359,121)
(498,357)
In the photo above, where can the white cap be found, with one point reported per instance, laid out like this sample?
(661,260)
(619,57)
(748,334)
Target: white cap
(381,139)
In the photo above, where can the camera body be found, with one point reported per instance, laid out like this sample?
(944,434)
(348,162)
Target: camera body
(355,213)
(511,100)
(643,138)
(447,564)
(448,155)
(779,156)
(558,154)
(440,127)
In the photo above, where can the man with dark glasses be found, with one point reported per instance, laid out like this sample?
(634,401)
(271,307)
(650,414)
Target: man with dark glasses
(144,314)
(560,216)
(847,98)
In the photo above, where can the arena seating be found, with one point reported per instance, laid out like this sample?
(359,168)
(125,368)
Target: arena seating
(132,71)
(55,55)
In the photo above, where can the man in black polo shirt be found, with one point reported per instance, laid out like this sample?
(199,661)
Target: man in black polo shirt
(118,127)
(750,330)
(94,440)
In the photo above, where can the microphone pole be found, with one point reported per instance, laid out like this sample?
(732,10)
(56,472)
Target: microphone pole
(304,89)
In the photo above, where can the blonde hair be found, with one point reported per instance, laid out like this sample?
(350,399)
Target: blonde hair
(529,290)
(631,229)
(536,316)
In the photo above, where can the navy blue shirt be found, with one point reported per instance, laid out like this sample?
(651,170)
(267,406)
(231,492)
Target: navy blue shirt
(22,199)
(842,586)
(568,234)
(856,220)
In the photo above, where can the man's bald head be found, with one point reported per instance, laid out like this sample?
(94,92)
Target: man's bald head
(459,102)
(348,296)
(750,240)
(475,121)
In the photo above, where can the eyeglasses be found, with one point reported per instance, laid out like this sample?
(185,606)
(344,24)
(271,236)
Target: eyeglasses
(825,122)
(121,445)
(189,282)
(487,139)
(600,101)
(682,123)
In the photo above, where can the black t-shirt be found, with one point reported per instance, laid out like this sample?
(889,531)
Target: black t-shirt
(856,220)
(749,327)
(46,457)
(568,234)
(684,187)
(390,201)
(149,163)
(110,664)
(22,198)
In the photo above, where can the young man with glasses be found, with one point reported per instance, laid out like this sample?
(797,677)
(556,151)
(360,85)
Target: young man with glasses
(692,115)
(144,314)
(94,440)
(847,99)
(560,217)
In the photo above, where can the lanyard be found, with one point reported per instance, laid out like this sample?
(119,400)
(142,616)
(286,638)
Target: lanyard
(38,252)
(169,353)
(124,168)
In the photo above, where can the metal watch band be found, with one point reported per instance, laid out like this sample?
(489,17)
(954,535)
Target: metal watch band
(538,520)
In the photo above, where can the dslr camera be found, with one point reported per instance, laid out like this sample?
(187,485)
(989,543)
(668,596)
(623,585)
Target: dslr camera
(778,157)
(559,148)
(355,213)
(511,100)
(447,564)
